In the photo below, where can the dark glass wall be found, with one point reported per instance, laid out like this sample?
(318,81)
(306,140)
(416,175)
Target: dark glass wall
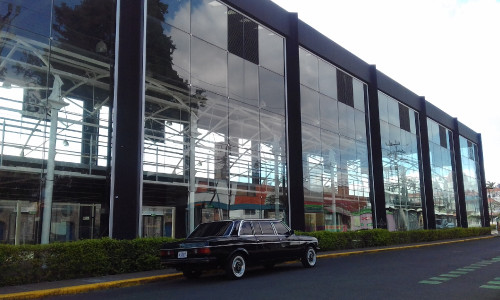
(472,182)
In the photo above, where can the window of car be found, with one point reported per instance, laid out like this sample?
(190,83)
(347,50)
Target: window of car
(246,228)
(212,229)
(281,229)
(267,228)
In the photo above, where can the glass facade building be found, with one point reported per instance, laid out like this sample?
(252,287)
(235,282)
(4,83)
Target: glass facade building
(148,118)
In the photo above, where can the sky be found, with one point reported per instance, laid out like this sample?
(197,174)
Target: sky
(445,50)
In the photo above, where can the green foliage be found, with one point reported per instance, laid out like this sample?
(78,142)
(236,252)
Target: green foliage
(85,258)
(332,241)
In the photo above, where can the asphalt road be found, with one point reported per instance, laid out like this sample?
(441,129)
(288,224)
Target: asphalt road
(469,270)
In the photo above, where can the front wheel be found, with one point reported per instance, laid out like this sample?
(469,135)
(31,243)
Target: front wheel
(309,257)
(236,266)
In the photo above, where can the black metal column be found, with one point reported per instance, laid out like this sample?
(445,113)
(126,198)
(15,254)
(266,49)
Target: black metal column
(485,212)
(126,168)
(377,173)
(461,207)
(294,128)
(426,174)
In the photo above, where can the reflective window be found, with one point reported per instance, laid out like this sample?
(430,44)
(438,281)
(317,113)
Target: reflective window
(271,51)
(308,69)
(472,182)
(334,150)
(214,116)
(327,79)
(173,12)
(55,63)
(444,189)
(401,165)
(329,114)
(209,21)
(243,80)
(309,106)
(272,91)
(208,67)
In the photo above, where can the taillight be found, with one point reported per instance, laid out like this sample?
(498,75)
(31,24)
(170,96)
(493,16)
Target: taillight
(202,251)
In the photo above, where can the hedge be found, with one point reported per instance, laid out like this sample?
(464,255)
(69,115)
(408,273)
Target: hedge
(90,258)
(331,241)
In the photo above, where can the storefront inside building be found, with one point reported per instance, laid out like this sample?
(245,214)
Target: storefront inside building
(205,110)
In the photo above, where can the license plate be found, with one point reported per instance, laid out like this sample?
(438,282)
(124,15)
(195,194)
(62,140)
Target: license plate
(182,254)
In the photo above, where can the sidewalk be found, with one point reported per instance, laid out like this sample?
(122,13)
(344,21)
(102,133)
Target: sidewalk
(75,286)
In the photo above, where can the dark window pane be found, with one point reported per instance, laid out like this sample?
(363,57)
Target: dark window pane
(246,229)
(243,39)
(442,137)
(404,117)
(26,17)
(344,88)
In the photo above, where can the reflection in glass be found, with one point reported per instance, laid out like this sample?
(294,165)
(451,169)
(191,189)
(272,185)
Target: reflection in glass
(308,69)
(472,182)
(177,12)
(443,175)
(271,51)
(243,80)
(309,106)
(327,79)
(329,112)
(209,21)
(208,66)
(272,91)
(401,164)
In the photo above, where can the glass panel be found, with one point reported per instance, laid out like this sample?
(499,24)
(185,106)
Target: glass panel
(327,79)
(271,51)
(329,114)
(308,69)
(272,91)
(272,133)
(443,177)
(243,80)
(208,66)
(173,12)
(472,182)
(346,120)
(24,17)
(382,106)
(358,88)
(359,118)
(209,21)
(393,109)
(309,106)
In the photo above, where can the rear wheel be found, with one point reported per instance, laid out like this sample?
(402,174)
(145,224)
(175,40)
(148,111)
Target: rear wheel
(309,257)
(236,266)
(191,273)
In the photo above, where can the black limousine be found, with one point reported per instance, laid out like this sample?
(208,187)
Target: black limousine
(235,244)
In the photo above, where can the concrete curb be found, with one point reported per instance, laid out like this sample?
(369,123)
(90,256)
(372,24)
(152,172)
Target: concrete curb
(77,289)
